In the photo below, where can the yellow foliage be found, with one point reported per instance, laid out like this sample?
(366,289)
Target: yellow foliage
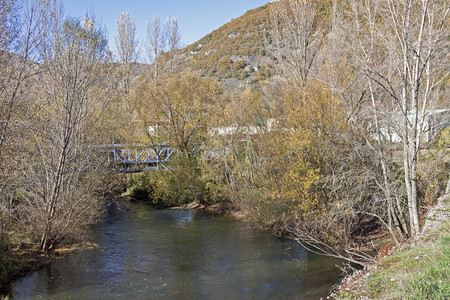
(178,107)
(295,148)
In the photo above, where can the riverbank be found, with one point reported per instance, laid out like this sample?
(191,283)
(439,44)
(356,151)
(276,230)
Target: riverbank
(26,258)
(20,261)
(419,269)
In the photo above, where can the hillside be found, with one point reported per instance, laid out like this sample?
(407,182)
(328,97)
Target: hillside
(233,53)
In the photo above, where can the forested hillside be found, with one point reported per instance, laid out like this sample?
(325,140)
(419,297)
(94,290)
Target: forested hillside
(236,52)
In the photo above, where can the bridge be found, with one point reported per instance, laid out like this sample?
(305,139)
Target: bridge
(137,157)
(142,158)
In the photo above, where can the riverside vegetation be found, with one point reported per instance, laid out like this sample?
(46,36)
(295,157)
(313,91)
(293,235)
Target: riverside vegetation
(419,270)
(327,143)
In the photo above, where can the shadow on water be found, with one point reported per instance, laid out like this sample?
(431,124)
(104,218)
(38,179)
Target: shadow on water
(184,254)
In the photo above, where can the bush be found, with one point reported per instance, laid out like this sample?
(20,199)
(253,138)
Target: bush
(139,186)
(243,74)
(433,169)
(238,65)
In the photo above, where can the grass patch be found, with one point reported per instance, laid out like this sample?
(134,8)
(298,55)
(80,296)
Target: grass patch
(419,271)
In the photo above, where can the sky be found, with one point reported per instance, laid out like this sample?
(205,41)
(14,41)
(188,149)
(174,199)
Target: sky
(196,18)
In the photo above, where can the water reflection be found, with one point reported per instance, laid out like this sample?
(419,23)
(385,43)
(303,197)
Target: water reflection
(181,254)
(181,217)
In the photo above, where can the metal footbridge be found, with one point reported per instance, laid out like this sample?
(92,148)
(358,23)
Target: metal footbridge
(142,158)
(137,157)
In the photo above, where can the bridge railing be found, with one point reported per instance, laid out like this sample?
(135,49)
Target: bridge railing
(141,157)
(129,158)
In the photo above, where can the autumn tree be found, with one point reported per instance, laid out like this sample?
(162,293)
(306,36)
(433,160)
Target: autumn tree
(312,131)
(177,111)
(58,165)
(299,34)
(179,107)
(382,63)
(127,48)
(236,164)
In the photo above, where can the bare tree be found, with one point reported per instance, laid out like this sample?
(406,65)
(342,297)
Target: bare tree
(172,33)
(18,27)
(173,42)
(16,47)
(162,39)
(157,42)
(8,35)
(308,53)
(127,47)
(398,45)
(298,32)
(363,169)
(58,166)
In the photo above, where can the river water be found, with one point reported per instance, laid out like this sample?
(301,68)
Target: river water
(147,253)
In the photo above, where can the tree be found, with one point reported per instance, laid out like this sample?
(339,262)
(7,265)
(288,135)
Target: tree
(177,110)
(59,168)
(127,48)
(299,29)
(399,47)
(307,163)
(18,29)
(162,39)
(173,34)
(363,173)
(13,67)
(179,106)
(8,35)
(156,43)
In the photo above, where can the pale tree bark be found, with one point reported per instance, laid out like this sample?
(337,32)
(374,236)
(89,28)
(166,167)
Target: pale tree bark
(398,47)
(367,109)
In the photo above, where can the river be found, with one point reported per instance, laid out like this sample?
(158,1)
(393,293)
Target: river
(146,253)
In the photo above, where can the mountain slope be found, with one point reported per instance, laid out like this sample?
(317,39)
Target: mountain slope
(235,52)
